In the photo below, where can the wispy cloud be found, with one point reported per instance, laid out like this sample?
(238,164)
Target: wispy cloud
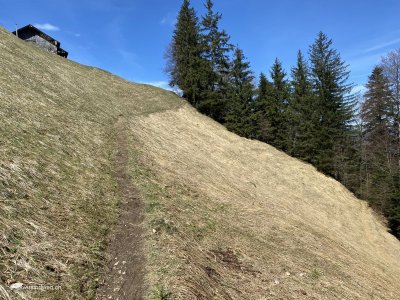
(75,34)
(363,62)
(110,5)
(169,19)
(382,45)
(47,26)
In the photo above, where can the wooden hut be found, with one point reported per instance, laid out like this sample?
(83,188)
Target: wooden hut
(31,34)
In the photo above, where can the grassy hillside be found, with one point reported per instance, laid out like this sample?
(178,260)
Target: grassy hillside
(58,195)
(225,217)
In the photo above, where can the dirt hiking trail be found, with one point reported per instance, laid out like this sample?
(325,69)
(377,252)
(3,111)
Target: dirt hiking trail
(124,279)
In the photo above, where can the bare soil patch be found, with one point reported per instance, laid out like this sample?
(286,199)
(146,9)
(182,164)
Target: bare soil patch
(125,276)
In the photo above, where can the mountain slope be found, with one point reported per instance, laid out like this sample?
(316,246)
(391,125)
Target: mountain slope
(225,217)
(253,223)
(58,192)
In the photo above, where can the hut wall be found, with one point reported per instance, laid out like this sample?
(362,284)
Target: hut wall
(38,41)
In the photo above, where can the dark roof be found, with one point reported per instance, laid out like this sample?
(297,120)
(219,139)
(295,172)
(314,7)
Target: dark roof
(32,28)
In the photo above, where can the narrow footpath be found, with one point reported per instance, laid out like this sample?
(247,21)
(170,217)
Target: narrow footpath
(124,279)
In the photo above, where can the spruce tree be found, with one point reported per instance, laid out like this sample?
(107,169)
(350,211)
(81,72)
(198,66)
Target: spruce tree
(240,117)
(391,68)
(260,108)
(302,119)
(216,52)
(376,109)
(276,106)
(329,76)
(378,142)
(185,63)
(270,107)
(264,86)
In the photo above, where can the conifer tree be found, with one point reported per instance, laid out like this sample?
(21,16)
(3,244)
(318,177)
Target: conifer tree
(185,63)
(302,119)
(270,107)
(216,52)
(276,104)
(240,118)
(264,86)
(260,104)
(376,109)
(391,68)
(379,141)
(329,76)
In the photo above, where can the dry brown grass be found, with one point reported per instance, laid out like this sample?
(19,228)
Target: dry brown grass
(58,197)
(226,217)
(238,219)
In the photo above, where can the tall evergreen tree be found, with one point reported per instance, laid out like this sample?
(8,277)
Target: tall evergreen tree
(185,63)
(391,68)
(216,52)
(240,117)
(380,148)
(376,109)
(329,76)
(302,119)
(276,104)
(271,105)
(264,87)
(260,108)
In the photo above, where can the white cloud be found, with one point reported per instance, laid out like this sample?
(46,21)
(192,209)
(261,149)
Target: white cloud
(47,26)
(169,19)
(382,45)
(75,34)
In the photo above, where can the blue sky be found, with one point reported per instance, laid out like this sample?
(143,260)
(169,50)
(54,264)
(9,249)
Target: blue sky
(129,37)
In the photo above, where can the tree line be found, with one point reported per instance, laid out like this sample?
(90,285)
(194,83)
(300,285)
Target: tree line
(310,113)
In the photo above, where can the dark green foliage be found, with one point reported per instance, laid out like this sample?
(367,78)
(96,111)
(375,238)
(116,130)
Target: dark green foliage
(271,106)
(240,117)
(260,109)
(329,77)
(376,109)
(278,104)
(216,49)
(301,115)
(186,65)
(380,174)
(264,87)
(377,140)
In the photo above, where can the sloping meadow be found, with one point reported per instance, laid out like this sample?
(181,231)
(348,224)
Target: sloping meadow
(58,196)
(237,219)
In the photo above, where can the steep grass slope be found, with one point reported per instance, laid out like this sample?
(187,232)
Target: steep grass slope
(226,217)
(241,220)
(58,195)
